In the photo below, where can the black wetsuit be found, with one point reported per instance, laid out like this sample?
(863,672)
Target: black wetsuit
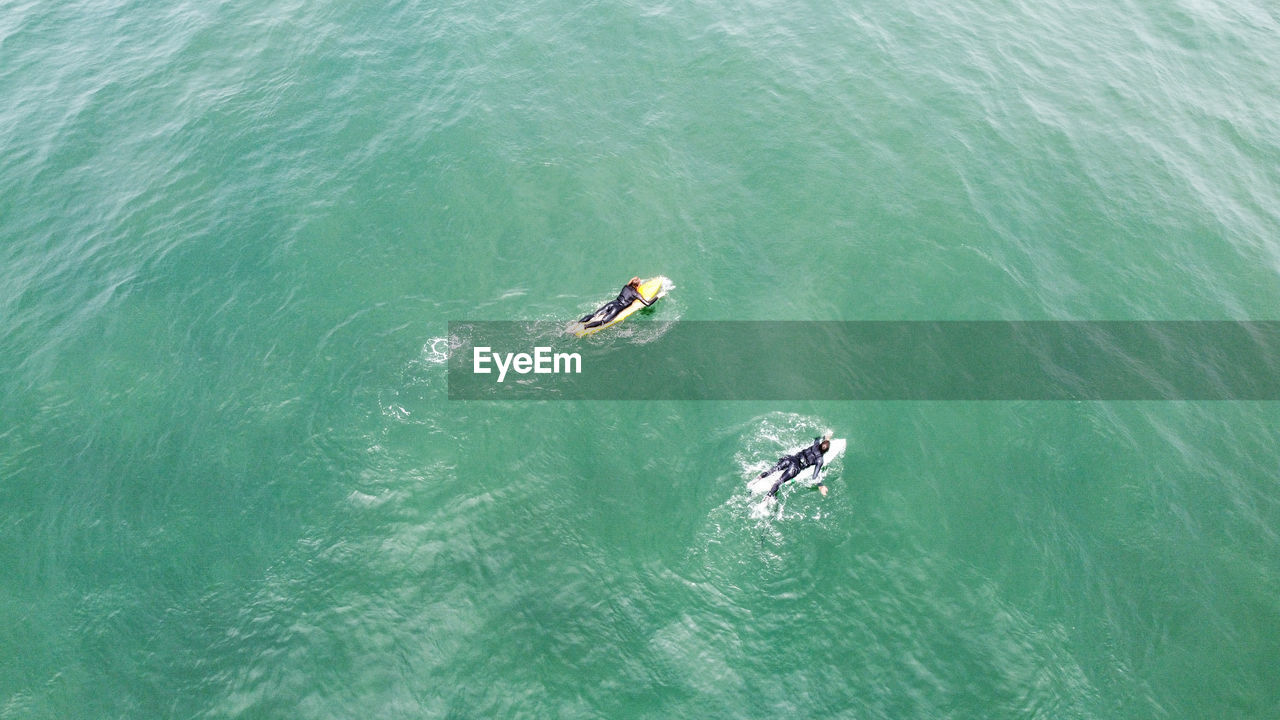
(611,309)
(791,465)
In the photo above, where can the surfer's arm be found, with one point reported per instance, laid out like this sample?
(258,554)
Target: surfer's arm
(631,294)
(817,467)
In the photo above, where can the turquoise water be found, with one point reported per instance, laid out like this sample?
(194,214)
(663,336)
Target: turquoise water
(232,236)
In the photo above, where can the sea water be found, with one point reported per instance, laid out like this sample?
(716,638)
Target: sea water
(233,234)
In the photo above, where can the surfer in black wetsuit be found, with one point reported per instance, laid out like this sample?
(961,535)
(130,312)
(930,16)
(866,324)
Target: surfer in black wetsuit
(610,310)
(791,465)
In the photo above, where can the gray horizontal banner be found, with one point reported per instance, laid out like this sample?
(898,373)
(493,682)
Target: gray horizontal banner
(1175,360)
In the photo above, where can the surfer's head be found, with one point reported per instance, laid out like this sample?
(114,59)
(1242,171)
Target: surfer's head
(634,282)
(825,445)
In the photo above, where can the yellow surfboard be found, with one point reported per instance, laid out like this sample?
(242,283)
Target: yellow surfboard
(650,290)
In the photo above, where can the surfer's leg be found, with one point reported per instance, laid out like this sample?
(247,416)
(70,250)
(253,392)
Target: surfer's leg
(787,474)
(603,315)
(597,313)
(776,467)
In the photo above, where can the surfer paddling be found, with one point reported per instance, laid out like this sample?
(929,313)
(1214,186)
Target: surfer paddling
(791,465)
(607,312)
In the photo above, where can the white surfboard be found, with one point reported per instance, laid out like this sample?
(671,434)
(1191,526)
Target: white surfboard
(762,484)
